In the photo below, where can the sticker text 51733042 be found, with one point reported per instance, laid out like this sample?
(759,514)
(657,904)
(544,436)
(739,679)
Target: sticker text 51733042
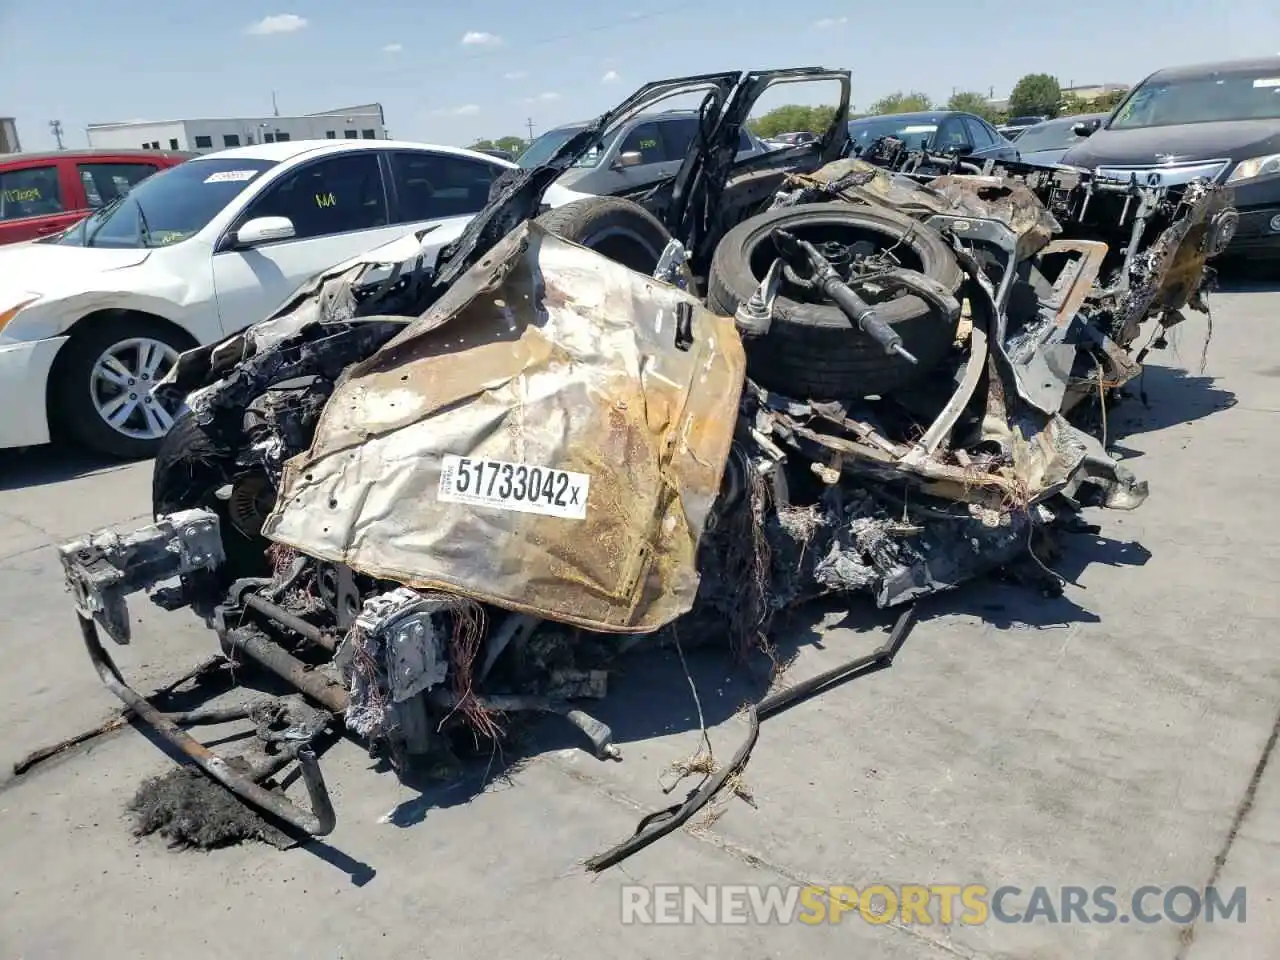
(514,486)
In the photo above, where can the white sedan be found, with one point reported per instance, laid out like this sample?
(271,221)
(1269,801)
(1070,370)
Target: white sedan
(92,318)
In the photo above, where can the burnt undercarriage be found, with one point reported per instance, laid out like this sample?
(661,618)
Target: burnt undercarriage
(344,526)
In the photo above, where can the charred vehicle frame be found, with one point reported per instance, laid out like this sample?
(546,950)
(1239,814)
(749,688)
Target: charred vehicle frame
(886,413)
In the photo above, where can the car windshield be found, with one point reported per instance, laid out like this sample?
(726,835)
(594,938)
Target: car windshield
(168,207)
(540,151)
(1217,97)
(593,156)
(910,129)
(1050,135)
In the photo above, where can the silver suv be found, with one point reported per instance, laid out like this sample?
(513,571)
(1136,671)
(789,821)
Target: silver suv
(643,150)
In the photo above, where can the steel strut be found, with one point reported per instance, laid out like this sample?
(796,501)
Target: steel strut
(318,822)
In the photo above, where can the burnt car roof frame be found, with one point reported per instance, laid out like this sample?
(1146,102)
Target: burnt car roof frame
(700,183)
(695,188)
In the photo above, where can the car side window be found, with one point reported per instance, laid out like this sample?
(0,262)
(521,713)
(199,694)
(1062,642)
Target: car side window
(336,195)
(979,133)
(433,185)
(678,133)
(103,182)
(31,192)
(646,140)
(950,134)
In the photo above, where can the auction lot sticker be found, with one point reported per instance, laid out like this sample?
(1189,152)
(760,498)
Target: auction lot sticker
(514,486)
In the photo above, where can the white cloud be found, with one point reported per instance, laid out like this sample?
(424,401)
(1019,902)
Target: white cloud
(514,75)
(827,23)
(393,48)
(543,97)
(610,77)
(466,110)
(276,23)
(478,38)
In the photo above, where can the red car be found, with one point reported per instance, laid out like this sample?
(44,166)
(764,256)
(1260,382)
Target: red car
(44,193)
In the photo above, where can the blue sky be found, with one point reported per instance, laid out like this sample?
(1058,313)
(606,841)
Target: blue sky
(448,76)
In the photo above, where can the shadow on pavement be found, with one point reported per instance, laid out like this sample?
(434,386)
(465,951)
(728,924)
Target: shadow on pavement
(1260,276)
(1164,397)
(649,692)
(49,464)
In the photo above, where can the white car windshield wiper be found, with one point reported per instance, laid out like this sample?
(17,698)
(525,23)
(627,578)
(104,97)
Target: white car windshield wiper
(103,214)
(144,231)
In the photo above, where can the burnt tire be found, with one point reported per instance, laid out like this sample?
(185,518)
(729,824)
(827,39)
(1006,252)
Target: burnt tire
(621,230)
(191,467)
(811,349)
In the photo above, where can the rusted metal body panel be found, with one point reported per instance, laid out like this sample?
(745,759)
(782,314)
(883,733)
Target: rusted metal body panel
(547,355)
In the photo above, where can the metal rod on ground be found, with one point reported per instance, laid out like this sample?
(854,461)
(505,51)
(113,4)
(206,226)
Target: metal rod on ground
(115,723)
(319,822)
(658,824)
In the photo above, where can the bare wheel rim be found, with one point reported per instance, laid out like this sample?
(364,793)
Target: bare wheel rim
(120,387)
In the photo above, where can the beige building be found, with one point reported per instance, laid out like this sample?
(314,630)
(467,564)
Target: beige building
(362,122)
(1094,90)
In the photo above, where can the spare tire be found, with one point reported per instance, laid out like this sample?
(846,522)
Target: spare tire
(621,230)
(812,350)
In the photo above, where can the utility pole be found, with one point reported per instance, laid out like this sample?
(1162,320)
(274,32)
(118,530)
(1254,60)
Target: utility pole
(275,110)
(56,127)
(529,123)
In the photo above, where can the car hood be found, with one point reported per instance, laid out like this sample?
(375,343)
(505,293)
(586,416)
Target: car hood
(1043,158)
(572,176)
(1230,139)
(50,268)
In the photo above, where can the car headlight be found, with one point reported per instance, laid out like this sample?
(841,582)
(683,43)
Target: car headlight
(1255,167)
(9,313)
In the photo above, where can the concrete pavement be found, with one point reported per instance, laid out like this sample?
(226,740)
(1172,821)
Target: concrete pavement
(1114,736)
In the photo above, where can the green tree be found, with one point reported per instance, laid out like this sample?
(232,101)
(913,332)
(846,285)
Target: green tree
(1109,101)
(968,101)
(973,103)
(1074,106)
(899,102)
(1036,94)
(792,117)
(513,145)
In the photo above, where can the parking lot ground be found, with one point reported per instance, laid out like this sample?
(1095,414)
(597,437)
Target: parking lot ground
(1114,736)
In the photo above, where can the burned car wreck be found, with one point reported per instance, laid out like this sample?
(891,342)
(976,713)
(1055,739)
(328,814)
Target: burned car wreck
(429,499)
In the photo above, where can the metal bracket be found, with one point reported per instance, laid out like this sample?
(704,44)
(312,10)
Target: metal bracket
(105,567)
(755,317)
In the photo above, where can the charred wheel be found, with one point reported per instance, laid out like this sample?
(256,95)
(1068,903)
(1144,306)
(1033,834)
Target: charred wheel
(812,350)
(623,231)
(193,468)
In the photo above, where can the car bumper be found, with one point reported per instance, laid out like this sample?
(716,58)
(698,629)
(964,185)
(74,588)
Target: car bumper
(24,377)
(1258,232)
